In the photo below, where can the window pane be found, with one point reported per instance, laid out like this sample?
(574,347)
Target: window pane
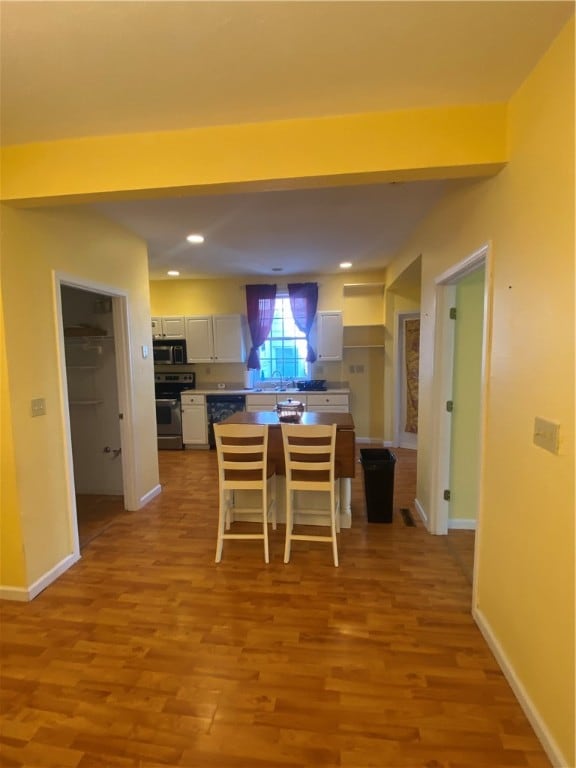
(283,354)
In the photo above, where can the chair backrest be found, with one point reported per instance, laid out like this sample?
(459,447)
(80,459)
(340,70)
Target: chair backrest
(309,454)
(242,454)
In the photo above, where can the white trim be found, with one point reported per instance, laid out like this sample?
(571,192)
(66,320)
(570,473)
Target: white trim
(123,359)
(461,524)
(384,443)
(442,382)
(422,512)
(14,593)
(44,581)
(68,463)
(149,496)
(124,377)
(25,594)
(550,746)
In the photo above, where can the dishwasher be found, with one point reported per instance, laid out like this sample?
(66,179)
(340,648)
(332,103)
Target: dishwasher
(218,408)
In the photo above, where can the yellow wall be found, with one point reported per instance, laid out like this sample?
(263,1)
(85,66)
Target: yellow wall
(466,394)
(412,144)
(12,561)
(525,569)
(83,246)
(526,538)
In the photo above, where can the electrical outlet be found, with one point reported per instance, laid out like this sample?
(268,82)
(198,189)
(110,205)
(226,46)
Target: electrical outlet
(546,434)
(38,406)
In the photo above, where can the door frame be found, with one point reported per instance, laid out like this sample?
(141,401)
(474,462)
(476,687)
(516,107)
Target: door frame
(400,384)
(442,382)
(123,361)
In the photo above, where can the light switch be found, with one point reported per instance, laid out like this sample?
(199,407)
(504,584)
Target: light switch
(546,434)
(144,351)
(38,406)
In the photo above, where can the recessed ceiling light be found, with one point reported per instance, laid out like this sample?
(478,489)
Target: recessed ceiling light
(173,272)
(277,269)
(195,239)
(345,265)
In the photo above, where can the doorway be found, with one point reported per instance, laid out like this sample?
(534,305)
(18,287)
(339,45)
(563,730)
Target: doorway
(91,382)
(408,354)
(460,372)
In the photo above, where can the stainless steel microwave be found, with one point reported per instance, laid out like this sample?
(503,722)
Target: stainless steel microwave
(169,352)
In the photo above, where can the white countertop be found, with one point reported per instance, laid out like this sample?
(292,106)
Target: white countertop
(289,392)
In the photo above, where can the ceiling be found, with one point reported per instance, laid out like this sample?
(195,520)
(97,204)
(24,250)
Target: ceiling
(75,69)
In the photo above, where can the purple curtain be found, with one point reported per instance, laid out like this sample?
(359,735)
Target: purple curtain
(304,302)
(260,301)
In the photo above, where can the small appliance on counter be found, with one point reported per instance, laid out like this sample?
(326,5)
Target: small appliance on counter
(312,385)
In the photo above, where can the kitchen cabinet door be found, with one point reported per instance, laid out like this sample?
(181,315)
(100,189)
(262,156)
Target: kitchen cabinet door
(330,336)
(170,327)
(216,339)
(260,402)
(229,338)
(199,341)
(194,425)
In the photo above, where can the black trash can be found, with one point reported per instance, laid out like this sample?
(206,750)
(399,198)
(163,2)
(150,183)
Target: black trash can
(378,465)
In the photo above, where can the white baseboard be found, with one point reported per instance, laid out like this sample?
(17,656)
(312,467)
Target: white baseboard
(25,594)
(371,440)
(14,593)
(421,511)
(149,496)
(461,523)
(549,745)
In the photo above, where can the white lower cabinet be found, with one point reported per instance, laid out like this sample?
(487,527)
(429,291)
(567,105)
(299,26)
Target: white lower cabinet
(326,402)
(260,403)
(194,419)
(322,402)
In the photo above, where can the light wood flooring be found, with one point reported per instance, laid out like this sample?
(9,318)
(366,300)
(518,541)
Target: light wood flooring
(147,654)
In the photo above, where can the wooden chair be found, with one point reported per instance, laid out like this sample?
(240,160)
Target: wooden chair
(242,451)
(309,454)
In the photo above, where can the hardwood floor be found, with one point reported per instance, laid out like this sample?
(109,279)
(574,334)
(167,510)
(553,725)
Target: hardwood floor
(96,512)
(146,653)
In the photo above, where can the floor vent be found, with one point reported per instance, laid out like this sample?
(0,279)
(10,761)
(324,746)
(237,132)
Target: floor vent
(407,517)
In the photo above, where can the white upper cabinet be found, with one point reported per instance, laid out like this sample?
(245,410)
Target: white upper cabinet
(216,339)
(171,327)
(199,339)
(329,336)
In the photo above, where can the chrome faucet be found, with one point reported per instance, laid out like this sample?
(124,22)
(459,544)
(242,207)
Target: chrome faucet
(281,377)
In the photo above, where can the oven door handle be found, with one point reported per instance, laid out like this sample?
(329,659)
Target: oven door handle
(170,402)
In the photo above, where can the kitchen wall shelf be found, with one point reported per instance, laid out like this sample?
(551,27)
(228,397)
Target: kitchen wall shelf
(364,336)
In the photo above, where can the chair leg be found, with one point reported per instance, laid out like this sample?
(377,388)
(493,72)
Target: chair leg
(333,512)
(265,522)
(288,526)
(272,503)
(337,493)
(222,515)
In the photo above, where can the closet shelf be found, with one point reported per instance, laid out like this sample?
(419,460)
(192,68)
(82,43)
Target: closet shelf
(86,402)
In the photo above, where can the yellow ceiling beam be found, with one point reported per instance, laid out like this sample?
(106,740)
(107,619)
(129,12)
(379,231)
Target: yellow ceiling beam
(448,142)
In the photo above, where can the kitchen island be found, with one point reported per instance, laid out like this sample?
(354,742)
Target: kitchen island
(345,454)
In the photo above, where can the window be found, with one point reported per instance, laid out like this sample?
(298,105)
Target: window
(283,354)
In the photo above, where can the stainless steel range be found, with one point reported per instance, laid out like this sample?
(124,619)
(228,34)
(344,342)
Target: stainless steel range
(168,387)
